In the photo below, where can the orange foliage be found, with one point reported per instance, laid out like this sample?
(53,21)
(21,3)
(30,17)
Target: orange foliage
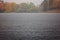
(1,6)
(9,7)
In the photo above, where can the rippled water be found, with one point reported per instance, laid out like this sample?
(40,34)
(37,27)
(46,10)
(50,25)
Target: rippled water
(29,26)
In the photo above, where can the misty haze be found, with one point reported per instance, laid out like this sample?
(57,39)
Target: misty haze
(29,20)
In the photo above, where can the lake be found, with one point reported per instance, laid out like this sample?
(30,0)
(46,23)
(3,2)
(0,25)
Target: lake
(29,26)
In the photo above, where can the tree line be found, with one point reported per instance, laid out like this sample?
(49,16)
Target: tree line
(22,7)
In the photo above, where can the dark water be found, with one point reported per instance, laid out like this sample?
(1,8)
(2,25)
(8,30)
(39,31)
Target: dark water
(29,26)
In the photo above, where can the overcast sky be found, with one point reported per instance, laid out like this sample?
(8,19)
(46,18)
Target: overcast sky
(36,2)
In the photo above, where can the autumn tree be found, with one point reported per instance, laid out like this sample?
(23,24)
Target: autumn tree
(17,8)
(1,6)
(23,7)
(8,7)
(13,6)
(33,8)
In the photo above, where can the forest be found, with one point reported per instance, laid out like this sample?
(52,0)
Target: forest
(8,7)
